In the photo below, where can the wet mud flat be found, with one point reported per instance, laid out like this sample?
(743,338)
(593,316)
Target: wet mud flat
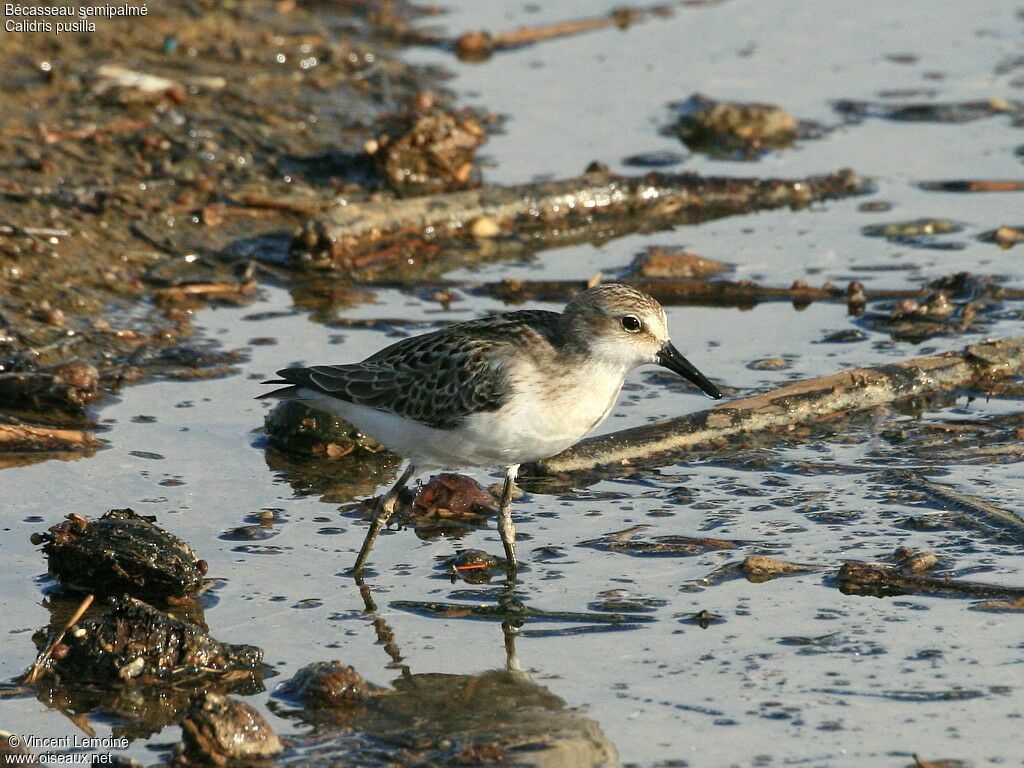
(132,155)
(722,588)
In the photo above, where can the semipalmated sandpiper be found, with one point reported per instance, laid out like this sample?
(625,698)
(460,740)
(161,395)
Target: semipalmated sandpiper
(498,391)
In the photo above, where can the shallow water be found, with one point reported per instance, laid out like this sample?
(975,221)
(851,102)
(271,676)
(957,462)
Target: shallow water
(795,672)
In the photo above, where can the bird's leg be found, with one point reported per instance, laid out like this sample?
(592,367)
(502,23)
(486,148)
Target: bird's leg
(381,513)
(512,663)
(505,526)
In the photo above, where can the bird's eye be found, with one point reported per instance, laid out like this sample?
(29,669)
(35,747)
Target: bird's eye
(632,323)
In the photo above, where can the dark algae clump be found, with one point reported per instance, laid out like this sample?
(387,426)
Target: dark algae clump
(134,641)
(122,553)
(218,730)
(327,684)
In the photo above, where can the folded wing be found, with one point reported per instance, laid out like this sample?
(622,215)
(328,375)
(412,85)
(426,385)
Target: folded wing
(438,378)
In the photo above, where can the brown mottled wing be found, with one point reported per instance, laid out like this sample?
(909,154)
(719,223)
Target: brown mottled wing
(438,378)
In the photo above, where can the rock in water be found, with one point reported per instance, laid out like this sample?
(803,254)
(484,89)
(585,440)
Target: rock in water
(133,641)
(121,553)
(219,730)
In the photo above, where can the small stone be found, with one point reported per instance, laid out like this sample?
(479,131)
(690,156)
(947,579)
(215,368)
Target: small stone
(875,206)
(668,262)
(474,46)
(424,101)
(453,495)
(78,375)
(484,227)
(769,364)
(848,336)
(910,560)
(212,215)
(855,292)
(52,316)
(1007,237)
(937,305)
(653,159)
(906,307)
(327,684)
(132,669)
(904,230)
(463,172)
(718,126)
(219,730)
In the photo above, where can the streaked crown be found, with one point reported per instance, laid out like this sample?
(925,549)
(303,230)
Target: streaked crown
(613,299)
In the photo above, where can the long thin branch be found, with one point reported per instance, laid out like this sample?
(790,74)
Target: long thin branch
(635,201)
(43,659)
(796,403)
(980,512)
(16,438)
(478,45)
(672,291)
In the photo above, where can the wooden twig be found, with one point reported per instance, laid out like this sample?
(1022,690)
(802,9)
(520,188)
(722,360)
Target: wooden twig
(682,291)
(688,291)
(76,134)
(15,438)
(284,205)
(163,244)
(234,292)
(801,402)
(973,185)
(672,291)
(880,579)
(478,45)
(41,232)
(39,664)
(632,201)
(716,293)
(979,511)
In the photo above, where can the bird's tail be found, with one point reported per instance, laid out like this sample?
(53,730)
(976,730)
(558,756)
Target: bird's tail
(287,390)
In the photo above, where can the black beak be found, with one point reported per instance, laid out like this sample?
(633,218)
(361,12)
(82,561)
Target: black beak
(671,358)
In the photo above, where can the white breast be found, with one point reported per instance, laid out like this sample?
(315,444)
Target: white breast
(546,416)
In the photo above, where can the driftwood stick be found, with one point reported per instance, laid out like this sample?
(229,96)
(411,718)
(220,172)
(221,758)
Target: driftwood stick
(43,659)
(285,205)
(75,134)
(800,402)
(479,45)
(976,510)
(879,579)
(41,232)
(637,200)
(672,291)
(234,292)
(973,185)
(16,438)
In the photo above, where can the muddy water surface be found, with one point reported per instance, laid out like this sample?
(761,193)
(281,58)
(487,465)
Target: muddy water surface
(786,672)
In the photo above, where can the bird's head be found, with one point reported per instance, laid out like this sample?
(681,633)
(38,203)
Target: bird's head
(626,328)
